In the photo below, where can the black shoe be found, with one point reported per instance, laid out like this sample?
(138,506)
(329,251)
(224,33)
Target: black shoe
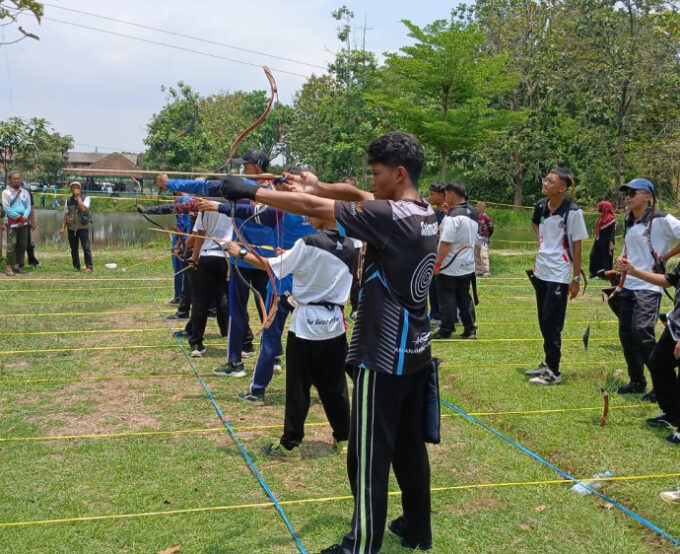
(254,399)
(173,301)
(674,438)
(442,334)
(472,335)
(35,263)
(230,369)
(649,397)
(21,271)
(335,549)
(178,316)
(397,527)
(180,334)
(662,420)
(632,388)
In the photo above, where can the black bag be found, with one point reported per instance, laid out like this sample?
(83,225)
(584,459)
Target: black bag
(84,217)
(431,406)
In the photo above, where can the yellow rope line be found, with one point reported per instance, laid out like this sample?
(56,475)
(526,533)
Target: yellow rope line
(61,314)
(85,331)
(85,279)
(132,434)
(95,378)
(321,500)
(81,289)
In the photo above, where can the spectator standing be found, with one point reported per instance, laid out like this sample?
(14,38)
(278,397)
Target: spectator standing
(559,226)
(602,253)
(16,203)
(485,229)
(77,220)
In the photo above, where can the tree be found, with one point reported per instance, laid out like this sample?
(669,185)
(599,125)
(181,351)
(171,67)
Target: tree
(11,10)
(332,120)
(20,138)
(442,88)
(170,147)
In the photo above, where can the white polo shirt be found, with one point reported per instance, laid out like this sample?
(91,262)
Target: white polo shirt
(459,227)
(553,259)
(665,231)
(215,225)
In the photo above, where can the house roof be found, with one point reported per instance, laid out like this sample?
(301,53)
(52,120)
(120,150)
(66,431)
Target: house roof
(94,157)
(118,164)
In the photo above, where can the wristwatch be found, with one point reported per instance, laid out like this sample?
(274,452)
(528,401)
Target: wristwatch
(242,253)
(576,278)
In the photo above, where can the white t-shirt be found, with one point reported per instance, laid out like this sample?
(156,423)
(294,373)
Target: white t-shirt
(665,231)
(215,225)
(553,260)
(322,266)
(459,227)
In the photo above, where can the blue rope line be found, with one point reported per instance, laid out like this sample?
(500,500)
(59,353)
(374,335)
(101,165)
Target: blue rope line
(563,473)
(249,461)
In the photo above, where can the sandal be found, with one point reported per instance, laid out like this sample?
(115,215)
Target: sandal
(9,272)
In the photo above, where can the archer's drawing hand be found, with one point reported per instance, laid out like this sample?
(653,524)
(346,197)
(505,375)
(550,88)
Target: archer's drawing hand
(624,264)
(162,181)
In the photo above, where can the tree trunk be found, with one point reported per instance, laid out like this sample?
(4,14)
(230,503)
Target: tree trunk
(443,165)
(517,184)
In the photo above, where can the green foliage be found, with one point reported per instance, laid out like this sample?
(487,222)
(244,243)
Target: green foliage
(443,87)
(21,138)
(332,122)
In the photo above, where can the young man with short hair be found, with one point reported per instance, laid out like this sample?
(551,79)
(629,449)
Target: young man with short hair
(390,346)
(322,265)
(455,265)
(559,226)
(647,243)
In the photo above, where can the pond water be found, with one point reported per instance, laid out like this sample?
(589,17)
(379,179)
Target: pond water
(116,229)
(107,229)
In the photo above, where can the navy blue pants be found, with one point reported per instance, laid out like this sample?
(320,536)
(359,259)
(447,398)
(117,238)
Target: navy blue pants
(238,307)
(270,347)
(177,265)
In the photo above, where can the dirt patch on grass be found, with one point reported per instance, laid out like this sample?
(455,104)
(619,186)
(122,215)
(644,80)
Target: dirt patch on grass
(107,407)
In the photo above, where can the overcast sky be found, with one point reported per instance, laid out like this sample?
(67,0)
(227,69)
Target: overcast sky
(103,89)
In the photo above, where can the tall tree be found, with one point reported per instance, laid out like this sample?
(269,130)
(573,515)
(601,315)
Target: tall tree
(10,10)
(332,120)
(443,88)
(21,138)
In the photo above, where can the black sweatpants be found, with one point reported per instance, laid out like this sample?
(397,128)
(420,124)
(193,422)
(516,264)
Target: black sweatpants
(666,380)
(320,363)
(387,429)
(453,293)
(551,304)
(637,311)
(211,288)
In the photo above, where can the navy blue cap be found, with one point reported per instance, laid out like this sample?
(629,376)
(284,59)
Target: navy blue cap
(639,184)
(254,156)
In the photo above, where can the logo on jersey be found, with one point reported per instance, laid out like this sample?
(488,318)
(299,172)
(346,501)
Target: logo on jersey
(422,277)
(428,229)
(357,208)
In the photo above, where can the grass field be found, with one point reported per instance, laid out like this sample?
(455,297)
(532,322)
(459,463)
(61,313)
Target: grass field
(102,415)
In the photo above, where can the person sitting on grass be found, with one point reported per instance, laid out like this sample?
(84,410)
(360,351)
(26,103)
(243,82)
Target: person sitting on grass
(665,356)
(322,266)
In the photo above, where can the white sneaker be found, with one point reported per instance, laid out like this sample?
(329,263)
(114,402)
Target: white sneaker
(278,368)
(198,352)
(671,496)
(540,370)
(547,379)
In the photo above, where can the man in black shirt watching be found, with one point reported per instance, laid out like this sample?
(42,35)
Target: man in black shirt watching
(390,346)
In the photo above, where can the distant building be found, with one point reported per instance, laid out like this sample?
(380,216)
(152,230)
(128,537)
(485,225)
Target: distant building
(82,160)
(109,172)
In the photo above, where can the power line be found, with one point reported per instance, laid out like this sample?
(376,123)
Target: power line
(190,37)
(174,47)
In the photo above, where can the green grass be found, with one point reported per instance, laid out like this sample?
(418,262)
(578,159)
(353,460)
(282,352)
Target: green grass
(94,392)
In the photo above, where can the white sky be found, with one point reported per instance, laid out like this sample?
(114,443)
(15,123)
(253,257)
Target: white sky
(103,89)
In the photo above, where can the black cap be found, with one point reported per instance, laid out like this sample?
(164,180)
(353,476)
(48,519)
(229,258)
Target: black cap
(437,187)
(254,156)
